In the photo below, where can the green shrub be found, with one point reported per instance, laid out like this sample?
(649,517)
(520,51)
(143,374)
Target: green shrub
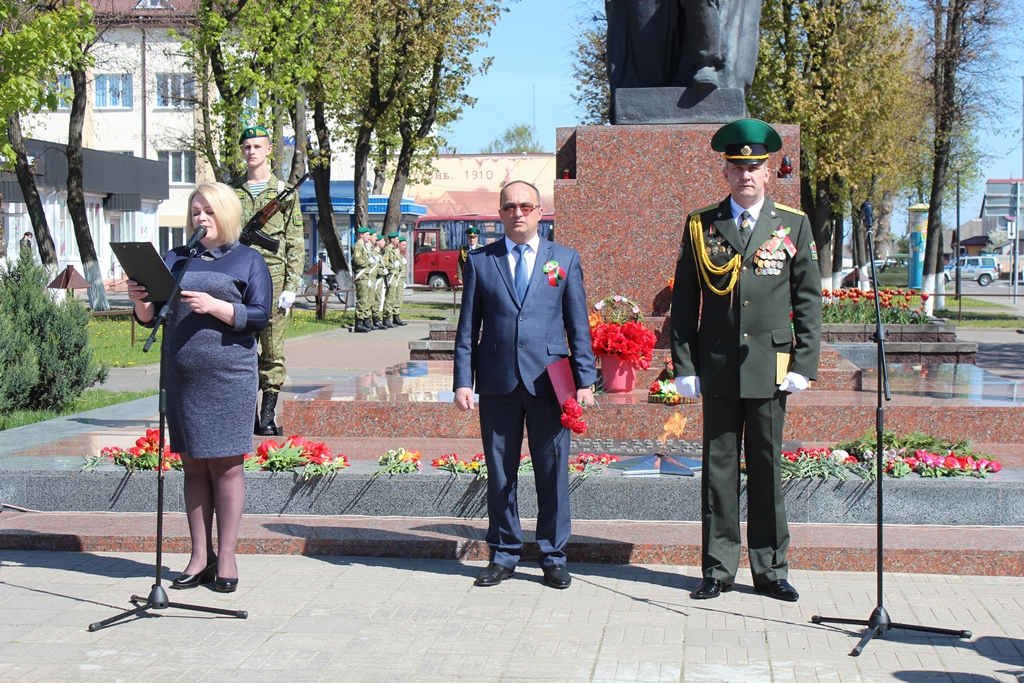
(43,333)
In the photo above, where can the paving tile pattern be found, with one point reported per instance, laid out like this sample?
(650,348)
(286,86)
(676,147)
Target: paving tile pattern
(357,619)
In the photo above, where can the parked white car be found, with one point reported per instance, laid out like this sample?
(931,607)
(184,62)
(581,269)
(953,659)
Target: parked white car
(984,269)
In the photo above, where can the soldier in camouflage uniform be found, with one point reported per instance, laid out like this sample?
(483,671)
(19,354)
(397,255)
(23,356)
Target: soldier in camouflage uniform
(380,285)
(364,272)
(255,191)
(396,281)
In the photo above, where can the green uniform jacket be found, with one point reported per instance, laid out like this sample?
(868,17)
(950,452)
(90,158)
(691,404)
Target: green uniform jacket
(734,343)
(363,263)
(285,226)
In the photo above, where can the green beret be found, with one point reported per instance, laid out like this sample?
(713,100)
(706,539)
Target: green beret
(253,132)
(402,239)
(363,230)
(392,235)
(747,141)
(472,231)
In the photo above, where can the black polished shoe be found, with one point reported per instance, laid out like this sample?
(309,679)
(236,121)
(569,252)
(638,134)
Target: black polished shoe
(557,576)
(493,574)
(397,320)
(225,585)
(710,588)
(778,589)
(184,581)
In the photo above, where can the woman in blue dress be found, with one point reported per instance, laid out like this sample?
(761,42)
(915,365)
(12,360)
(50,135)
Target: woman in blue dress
(210,376)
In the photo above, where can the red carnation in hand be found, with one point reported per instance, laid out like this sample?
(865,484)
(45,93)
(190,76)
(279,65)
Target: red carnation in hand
(572,411)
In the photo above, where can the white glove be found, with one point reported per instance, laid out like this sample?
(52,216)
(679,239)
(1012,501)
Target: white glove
(688,387)
(286,300)
(794,383)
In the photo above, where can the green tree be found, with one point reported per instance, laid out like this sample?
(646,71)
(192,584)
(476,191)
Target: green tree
(515,139)
(592,94)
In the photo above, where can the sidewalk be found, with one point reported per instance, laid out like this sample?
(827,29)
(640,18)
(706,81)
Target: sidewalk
(365,619)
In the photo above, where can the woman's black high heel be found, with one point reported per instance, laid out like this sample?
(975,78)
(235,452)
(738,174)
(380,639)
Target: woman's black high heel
(208,575)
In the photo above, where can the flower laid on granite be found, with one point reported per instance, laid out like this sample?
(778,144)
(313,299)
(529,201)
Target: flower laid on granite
(314,458)
(589,464)
(572,412)
(140,457)
(816,463)
(617,329)
(451,463)
(933,465)
(399,461)
(525,463)
(898,306)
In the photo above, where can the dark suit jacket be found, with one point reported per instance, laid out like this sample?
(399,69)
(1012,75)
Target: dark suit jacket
(733,343)
(520,341)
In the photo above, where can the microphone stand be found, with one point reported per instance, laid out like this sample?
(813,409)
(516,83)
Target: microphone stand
(879,622)
(157,598)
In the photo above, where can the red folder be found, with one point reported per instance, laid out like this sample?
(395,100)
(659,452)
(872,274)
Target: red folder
(562,380)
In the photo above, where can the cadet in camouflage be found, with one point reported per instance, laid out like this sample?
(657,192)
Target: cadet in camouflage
(255,191)
(396,279)
(364,271)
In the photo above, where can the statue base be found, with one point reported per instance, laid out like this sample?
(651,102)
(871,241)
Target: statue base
(622,194)
(678,105)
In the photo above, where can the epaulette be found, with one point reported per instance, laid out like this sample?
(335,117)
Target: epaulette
(790,209)
(706,208)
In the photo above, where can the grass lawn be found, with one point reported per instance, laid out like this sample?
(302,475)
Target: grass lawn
(90,400)
(110,337)
(982,319)
(969,302)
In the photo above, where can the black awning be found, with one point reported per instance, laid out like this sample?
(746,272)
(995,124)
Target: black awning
(123,201)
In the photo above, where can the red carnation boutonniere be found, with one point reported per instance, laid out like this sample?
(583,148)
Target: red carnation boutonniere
(554,272)
(572,411)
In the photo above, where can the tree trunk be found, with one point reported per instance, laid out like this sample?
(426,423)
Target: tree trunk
(815,203)
(301,153)
(883,224)
(361,150)
(27,181)
(76,196)
(322,183)
(380,169)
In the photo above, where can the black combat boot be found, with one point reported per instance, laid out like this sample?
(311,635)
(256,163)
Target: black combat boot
(267,425)
(398,321)
(386,322)
(377,325)
(361,325)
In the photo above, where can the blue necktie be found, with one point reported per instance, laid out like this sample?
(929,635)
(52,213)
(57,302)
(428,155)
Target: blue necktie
(520,274)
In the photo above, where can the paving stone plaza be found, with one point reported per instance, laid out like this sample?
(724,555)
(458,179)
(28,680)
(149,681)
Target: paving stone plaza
(399,617)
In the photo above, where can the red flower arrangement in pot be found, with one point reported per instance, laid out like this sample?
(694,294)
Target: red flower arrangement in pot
(621,339)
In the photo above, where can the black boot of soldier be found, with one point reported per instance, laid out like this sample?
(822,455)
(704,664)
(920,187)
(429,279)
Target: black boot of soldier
(267,425)
(398,321)
(377,325)
(361,325)
(386,322)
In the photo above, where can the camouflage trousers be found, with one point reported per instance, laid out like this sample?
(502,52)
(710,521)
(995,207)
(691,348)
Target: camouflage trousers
(271,360)
(378,298)
(364,298)
(393,298)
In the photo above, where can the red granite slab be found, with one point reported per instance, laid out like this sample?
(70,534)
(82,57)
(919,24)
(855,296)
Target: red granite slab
(993,551)
(622,194)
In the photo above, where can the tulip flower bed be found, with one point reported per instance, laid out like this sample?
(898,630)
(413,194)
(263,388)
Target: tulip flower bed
(898,306)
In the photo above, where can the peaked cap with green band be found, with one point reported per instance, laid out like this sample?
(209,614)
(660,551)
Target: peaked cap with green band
(253,132)
(747,141)
(392,235)
(472,231)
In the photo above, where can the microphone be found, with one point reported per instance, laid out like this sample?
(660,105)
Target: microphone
(193,241)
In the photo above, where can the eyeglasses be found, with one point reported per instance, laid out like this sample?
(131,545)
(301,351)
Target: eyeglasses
(526,207)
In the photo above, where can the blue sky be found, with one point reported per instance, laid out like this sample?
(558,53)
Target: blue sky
(531,82)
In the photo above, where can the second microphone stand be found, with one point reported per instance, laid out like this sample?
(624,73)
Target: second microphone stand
(879,622)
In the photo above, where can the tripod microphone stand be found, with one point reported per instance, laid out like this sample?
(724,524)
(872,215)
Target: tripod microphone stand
(157,598)
(879,622)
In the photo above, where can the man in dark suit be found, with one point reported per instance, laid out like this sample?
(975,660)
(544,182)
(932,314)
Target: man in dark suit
(744,266)
(528,296)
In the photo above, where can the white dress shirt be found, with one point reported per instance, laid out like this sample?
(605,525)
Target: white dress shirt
(530,255)
(737,210)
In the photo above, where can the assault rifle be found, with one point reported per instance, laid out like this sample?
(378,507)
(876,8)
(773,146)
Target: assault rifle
(253,233)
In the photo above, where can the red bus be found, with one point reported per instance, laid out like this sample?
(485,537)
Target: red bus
(437,240)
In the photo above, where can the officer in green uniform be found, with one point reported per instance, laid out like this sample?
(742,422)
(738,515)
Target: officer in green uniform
(472,242)
(396,281)
(363,268)
(255,191)
(744,265)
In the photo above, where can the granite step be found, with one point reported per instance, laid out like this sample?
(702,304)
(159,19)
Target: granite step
(987,551)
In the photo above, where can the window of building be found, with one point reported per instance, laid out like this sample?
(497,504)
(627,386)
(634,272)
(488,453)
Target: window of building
(174,90)
(114,91)
(64,91)
(181,166)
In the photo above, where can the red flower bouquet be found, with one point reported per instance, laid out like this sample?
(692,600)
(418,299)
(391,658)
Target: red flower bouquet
(572,412)
(617,329)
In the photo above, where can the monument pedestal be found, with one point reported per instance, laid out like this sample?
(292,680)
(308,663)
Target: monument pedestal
(622,194)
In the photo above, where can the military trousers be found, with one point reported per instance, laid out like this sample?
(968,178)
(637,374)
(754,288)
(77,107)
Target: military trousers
(364,298)
(271,360)
(756,425)
(393,298)
(378,297)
